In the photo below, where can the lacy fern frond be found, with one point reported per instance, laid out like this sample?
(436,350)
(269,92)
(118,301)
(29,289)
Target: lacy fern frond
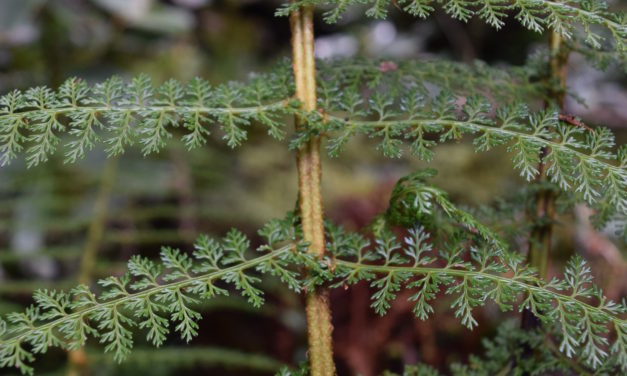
(120,115)
(536,15)
(579,159)
(444,252)
(473,275)
(506,353)
(414,201)
(600,59)
(154,297)
(503,84)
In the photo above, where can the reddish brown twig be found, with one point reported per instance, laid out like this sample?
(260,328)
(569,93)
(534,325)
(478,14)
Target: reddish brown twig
(573,120)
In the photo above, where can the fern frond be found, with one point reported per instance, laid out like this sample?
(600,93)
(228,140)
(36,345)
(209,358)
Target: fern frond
(119,115)
(474,275)
(155,297)
(415,201)
(506,353)
(573,165)
(600,59)
(536,15)
(579,160)
(502,84)
(78,117)
(474,266)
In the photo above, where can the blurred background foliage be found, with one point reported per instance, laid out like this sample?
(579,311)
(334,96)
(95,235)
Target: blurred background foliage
(53,216)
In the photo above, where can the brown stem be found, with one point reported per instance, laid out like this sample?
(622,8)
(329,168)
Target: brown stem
(77,359)
(540,241)
(542,233)
(319,326)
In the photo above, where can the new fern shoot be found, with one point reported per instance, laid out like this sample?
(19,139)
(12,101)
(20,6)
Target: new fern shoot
(423,243)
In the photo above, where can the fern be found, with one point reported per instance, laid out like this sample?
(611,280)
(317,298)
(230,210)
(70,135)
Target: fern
(120,115)
(150,296)
(444,251)
(158,294)
(506,354)
(535,15)
(579,160)
(473,275)
(472,270)
(157,298)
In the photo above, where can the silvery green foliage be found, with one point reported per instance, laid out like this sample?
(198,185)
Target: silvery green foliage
(119,114)
(395,103)
(414,201)
(77,117)
(154,297)
(507,352)
(474,269)
(536,15)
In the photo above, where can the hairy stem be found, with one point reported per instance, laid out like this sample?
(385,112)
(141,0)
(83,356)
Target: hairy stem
(540,241)
(77,359)
(319,326)
(542,233)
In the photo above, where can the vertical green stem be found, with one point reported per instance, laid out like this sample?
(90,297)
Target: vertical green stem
(319,326)
(541,237)
(542,233)
(76,358)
